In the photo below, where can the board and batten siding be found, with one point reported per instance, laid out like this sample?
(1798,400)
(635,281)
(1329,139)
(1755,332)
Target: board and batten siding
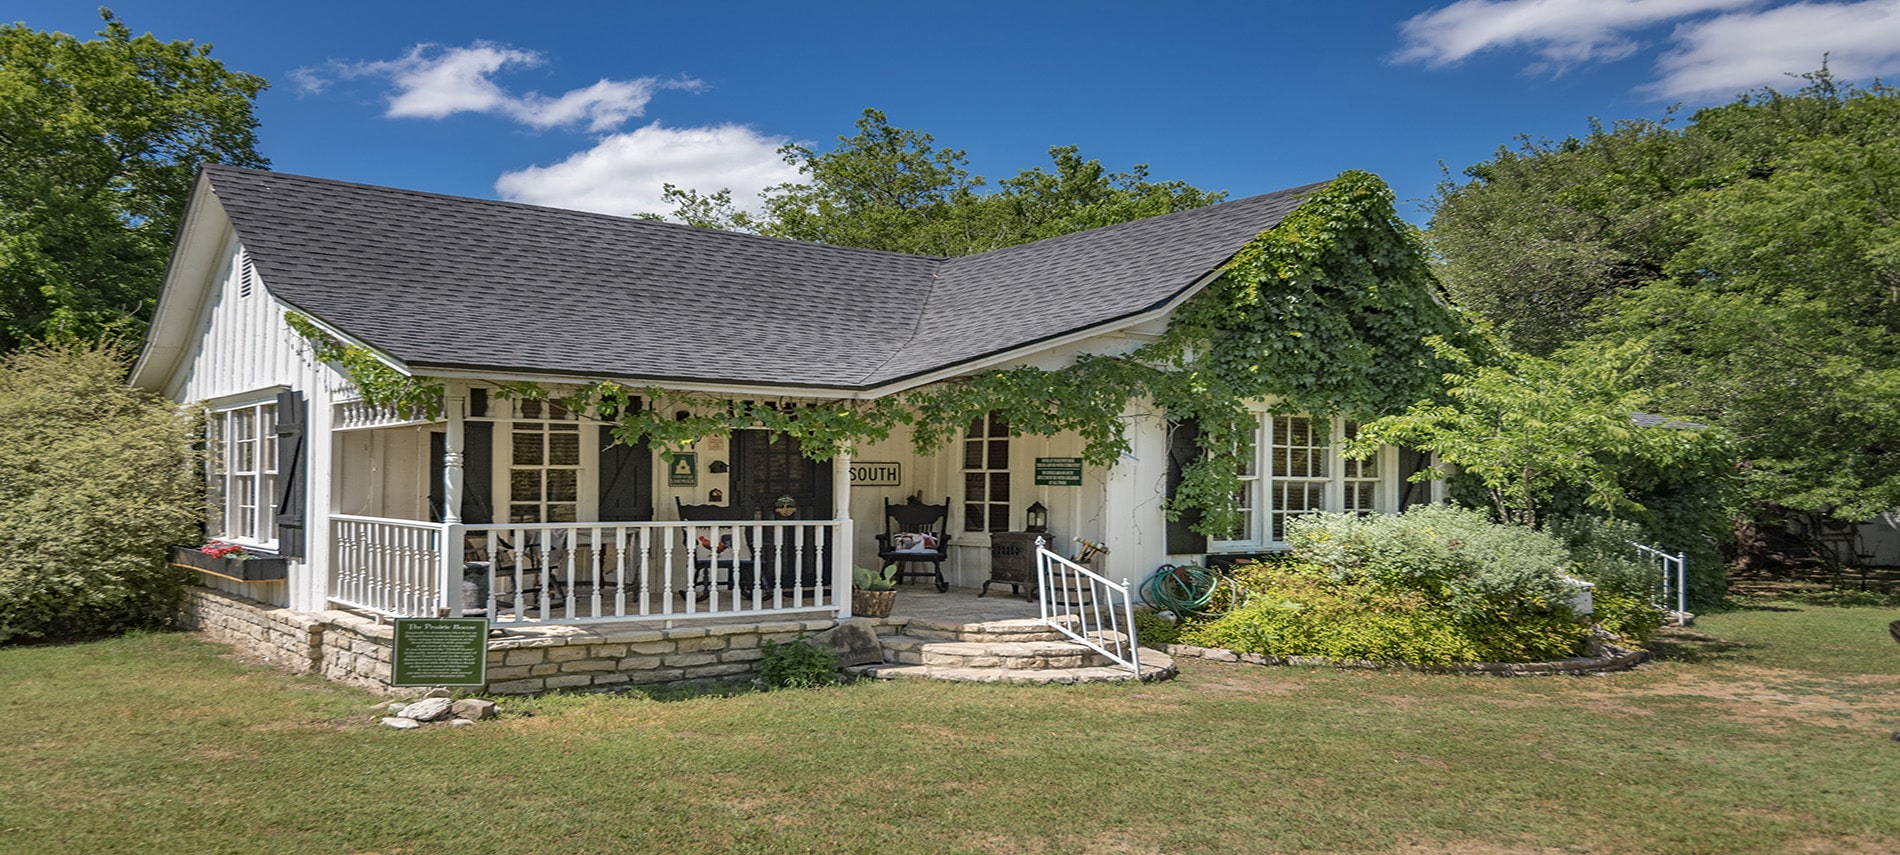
(239,350)
(241,344)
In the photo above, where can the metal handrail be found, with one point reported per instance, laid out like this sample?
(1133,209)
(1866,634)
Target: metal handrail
(1680,563)
(1083,589)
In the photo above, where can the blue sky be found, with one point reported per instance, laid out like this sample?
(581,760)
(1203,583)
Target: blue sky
(595,105)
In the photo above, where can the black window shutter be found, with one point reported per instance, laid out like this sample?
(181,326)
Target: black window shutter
(478,464)
(478,472)
(1184,448)
(293,487)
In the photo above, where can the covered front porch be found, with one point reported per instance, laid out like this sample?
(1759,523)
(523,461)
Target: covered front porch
(678,565)
(526,513)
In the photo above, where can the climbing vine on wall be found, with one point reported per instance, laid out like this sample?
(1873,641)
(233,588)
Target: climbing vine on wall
(1326,313)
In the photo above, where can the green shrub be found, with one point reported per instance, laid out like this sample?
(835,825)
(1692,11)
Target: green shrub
(796,664)
(1435,585)
(1292,611)
(1633,619)
(1152,628)
(95,483)
(1451,555)
(1628,587)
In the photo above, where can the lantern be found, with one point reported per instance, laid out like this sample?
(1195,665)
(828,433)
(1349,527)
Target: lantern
(1036,518)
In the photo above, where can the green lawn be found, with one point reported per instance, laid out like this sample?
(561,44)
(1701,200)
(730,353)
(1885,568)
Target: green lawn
(1766,730)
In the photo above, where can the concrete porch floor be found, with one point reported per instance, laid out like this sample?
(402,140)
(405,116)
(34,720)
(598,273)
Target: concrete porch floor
(921,601)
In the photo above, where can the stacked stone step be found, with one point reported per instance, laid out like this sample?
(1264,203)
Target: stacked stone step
(1019,651)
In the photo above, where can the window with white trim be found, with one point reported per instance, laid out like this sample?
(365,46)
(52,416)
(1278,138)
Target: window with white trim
(241,473)
(986,474)
(544,467)
(1296,469)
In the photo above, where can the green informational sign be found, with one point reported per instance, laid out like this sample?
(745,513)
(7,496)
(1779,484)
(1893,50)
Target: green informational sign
(1059,471)
(683,469)
(440,652)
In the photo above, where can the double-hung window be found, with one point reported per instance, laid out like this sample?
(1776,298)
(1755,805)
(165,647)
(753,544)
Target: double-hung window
(1296,469)
(241,473)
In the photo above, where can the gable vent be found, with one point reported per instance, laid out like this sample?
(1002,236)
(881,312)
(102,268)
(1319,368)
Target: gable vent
(247,274)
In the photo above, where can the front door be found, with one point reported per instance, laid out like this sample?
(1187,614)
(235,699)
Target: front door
(765,470)
(768,466)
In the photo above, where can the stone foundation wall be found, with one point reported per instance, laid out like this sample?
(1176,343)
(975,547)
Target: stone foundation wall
(349,648)
(338,646)
(547,658)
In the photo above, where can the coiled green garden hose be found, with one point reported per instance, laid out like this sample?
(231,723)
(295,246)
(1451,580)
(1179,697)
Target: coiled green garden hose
(1189,589)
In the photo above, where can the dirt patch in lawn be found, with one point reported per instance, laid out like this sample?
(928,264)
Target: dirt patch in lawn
(1774,698)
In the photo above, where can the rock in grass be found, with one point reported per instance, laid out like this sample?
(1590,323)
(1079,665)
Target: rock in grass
(474,709)
(400,723)
(427,709)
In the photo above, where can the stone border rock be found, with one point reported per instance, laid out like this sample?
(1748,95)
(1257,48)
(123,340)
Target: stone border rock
(1605,657)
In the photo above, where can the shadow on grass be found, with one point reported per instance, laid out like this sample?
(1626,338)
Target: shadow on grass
(1695,648)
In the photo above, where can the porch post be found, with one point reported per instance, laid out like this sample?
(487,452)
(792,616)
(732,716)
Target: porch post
(844,548)
(449,560)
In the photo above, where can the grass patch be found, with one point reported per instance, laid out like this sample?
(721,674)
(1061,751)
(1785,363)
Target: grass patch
(1782,718)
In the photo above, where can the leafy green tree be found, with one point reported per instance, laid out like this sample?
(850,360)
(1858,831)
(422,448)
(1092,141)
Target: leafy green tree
(99,141)
(894,189)
(1527,427)
(1754,254)
(1543,233)
(1780,319)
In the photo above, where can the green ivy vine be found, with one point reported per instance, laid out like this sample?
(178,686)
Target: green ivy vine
(379,384)
(1328,312)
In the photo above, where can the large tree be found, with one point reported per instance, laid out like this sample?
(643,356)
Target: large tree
(1754,252)
(894,189)
(98,144)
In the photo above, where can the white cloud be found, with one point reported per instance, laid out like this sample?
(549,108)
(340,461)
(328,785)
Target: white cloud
(1716,47)
(1736,52)
(432,82)
(1563,32)
(626,173)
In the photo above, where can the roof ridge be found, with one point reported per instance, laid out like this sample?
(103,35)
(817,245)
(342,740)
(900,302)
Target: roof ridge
(639,222)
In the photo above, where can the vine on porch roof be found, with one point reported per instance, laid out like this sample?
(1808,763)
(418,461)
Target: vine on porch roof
(1326,313)
(378,383)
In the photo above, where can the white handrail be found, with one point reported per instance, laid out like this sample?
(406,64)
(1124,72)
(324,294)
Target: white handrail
(1680,563)
(1084,590)
(589,572)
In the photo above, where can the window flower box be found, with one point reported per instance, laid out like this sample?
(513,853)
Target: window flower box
(255,568)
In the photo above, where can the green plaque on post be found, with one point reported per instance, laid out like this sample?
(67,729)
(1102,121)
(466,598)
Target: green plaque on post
(440,652)
(1059,471)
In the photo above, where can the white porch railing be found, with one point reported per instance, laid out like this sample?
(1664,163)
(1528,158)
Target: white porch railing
(390,567)
(587,572)
(1676,565)
(1100,614)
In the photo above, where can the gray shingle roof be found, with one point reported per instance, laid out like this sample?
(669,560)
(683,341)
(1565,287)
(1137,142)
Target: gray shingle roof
(443,282)
(1652,420)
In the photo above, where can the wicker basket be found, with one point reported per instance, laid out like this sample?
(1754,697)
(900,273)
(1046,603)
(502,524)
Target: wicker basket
(872,603)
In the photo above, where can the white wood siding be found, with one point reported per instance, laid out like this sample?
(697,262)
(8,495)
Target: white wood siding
(240,349)
(241,344)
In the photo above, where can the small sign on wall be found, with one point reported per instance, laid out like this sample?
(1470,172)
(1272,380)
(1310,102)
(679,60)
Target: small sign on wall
(864,474)
(1059,471)
(440,652)
(683,469)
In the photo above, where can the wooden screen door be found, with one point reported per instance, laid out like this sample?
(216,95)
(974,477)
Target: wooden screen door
(766,466)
